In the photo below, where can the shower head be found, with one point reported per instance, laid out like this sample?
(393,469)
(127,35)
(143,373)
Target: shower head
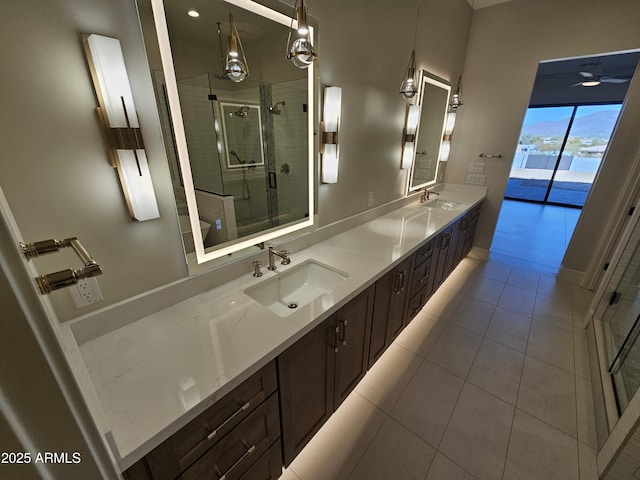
(242,112)
(232,152)
(274,108)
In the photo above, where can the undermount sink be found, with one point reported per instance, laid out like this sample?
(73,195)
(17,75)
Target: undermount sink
(296,287)
(442,204)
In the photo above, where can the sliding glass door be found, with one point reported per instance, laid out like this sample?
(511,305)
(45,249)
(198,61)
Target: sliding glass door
(559,153)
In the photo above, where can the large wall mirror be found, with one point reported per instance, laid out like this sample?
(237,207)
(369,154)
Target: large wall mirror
(434,101)
(241,154)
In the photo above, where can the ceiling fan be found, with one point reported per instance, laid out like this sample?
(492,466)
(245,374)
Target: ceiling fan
(591,80)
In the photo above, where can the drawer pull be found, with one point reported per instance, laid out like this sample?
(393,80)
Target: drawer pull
(423,279)
(337,339)
(245,455)
(238,412)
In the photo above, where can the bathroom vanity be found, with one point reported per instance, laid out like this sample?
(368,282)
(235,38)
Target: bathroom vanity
(233,382)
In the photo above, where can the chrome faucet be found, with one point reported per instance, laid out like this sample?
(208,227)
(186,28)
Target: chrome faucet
(426,194)
(283,254)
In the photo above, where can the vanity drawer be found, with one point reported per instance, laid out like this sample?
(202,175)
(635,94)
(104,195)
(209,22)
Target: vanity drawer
(268,466)
(182,449)
(420,275)
(424,252)
(232,456)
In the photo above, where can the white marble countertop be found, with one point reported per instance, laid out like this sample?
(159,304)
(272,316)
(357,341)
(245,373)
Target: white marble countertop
(156,374)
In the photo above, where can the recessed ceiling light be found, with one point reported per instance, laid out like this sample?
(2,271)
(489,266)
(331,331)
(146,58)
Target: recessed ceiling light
(193,13)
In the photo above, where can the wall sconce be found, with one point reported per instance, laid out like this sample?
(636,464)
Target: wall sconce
(409,136)
(235,68)
(301,52)
(119,122)
(330,128)
(445,147)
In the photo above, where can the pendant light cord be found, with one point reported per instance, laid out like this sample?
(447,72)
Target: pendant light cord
(415,34)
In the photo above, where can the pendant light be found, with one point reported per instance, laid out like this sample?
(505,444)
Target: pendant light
(236,68)
(456,98)
(301,52)
(409,86)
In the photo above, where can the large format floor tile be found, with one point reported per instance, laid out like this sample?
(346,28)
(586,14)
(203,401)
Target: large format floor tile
(455,349)
(510,329)
(395,452)
(477,436)
(537,451)
(428,401)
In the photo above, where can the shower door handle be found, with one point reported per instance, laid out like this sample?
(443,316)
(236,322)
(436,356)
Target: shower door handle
(272,180)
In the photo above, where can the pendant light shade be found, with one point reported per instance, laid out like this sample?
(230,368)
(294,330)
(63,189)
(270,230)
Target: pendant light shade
(409,87)
(236,67)
(300,51)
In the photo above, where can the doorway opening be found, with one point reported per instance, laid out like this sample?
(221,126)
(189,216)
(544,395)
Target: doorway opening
(572,113)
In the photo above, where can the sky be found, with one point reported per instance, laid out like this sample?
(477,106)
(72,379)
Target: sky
(546,114)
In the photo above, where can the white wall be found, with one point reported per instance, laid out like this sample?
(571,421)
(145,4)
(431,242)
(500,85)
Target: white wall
(364,48)
(506,43)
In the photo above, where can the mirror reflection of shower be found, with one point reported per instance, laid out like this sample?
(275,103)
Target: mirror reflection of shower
(246,193)
(242,112)
(274,108)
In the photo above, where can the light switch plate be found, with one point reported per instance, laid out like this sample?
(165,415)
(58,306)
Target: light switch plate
(476,167)
(476,179)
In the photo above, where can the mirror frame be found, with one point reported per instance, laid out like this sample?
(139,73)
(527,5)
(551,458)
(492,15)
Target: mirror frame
(181,140)
(438,82)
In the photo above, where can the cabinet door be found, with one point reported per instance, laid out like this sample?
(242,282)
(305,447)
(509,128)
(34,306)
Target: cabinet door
(380,318)
(306,387)
(400,290)
(443,249)
(354,324)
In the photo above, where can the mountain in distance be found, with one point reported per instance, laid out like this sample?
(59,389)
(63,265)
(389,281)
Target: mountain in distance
(595,125)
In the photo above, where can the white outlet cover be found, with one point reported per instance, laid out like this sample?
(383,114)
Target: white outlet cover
(86,292)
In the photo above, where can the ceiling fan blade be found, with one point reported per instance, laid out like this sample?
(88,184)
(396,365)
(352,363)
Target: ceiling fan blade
(614,80)
(586,74)
(576,84)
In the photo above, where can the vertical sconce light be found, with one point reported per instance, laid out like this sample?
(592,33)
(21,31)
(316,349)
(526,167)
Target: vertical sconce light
(330,128)
(119,123)
(409,136)
(301,52)
(236,68)
(409,86)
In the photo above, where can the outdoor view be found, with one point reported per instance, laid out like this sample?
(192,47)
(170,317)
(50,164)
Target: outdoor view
(543,170)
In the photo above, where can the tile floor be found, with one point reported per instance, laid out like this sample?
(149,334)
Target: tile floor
(489,381)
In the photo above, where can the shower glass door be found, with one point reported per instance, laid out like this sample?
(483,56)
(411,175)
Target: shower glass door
(619,311)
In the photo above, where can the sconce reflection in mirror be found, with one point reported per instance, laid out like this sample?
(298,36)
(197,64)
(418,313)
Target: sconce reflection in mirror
(119,122)
(330,126)
(450,122)
(301,52)
(409,137)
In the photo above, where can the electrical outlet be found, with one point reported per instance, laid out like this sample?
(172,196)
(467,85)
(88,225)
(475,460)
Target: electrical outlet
(86,292)
(476,167)
(476,179)
(372,199)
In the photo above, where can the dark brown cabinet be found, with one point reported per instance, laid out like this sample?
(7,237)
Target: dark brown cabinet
(389,308)
(318,372)
(227,438)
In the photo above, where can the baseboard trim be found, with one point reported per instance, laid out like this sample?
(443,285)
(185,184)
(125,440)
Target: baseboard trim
(571,276)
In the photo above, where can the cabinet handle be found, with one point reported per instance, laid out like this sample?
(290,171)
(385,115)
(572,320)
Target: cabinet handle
(337,339)
(249,451)
(234,415)
(399,283)
(446,240)
(344,331)
(424,279)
